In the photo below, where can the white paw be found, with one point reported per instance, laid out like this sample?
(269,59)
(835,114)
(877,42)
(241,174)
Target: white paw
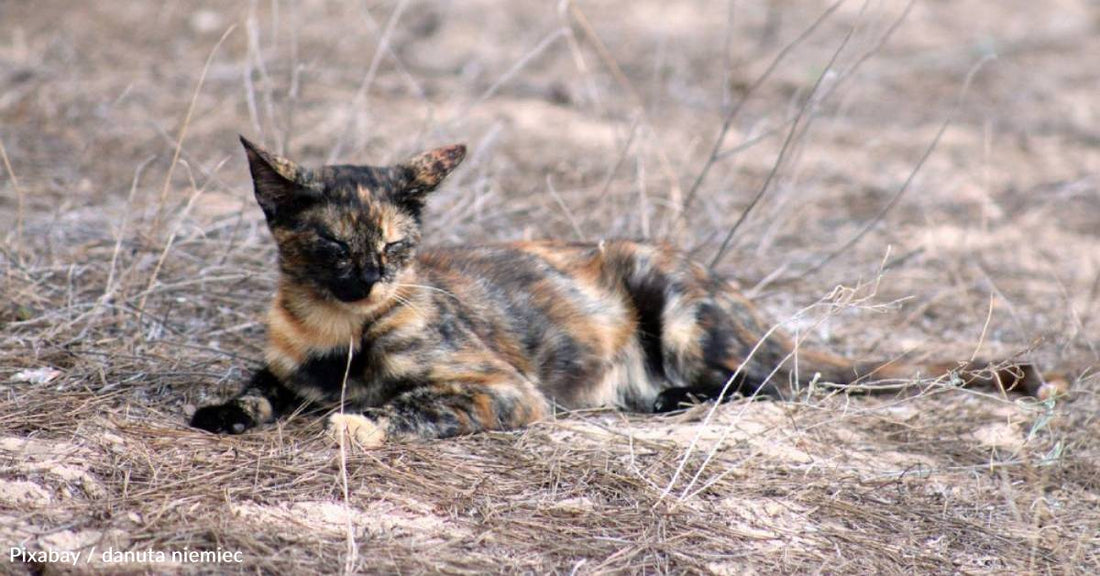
(1055,387)
(360,430)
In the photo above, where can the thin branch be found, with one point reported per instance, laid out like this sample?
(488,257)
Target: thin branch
(908,181)
(783,150)
(863,58)
(172,238)
(565,209)
(520,65)
(108,289)
(610,177)
(675,193)
(19,197)
(183,129)
(351,548)
(728,120)
(368,80)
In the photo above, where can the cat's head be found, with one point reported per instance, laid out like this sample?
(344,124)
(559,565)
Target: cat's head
(347,232)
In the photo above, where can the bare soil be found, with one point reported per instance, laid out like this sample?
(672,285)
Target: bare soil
(135,270)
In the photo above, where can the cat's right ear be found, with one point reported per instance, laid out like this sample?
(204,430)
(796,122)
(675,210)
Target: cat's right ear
(281,186)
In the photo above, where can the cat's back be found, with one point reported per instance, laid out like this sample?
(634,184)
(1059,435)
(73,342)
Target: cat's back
(529,261)
(579,312)
(557,281)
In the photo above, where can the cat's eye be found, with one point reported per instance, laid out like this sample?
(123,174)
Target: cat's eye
(395,246)
(333,242)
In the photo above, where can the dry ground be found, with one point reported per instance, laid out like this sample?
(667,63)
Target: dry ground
(134,282)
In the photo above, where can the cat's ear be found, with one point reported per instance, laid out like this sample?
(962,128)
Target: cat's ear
(281,186)
(425,172)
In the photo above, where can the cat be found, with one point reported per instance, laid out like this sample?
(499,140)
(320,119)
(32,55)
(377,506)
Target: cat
(454,340)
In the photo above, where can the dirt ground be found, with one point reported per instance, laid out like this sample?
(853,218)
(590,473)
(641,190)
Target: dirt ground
(136,269)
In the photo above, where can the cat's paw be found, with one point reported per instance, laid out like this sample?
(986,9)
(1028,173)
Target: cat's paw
(227,418)
(361,430)
(1055,386)
(675,399)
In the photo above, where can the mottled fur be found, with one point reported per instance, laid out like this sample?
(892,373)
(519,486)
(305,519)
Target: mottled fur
(448,341)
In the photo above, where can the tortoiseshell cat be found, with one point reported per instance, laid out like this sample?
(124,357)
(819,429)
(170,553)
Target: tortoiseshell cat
(449,341)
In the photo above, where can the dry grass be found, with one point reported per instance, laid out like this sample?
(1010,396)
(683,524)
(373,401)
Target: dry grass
(136,268)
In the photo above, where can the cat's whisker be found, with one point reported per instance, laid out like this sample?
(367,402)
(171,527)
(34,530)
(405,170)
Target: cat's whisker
(406,302)
(433,288)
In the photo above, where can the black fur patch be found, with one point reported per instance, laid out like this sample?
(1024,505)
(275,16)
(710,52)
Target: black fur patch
(228,418)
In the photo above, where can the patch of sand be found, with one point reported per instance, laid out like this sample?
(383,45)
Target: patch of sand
(406,520)
(23,495)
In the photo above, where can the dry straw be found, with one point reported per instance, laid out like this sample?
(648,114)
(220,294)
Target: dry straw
(125,306)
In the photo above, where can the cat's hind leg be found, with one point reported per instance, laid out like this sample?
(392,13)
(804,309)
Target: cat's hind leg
(698,333)
(716,346)
(716,350)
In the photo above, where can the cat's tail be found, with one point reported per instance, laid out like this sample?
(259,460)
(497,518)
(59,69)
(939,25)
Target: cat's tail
(879,377)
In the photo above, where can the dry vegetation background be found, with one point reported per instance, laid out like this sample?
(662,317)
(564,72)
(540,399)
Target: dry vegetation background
(135,272)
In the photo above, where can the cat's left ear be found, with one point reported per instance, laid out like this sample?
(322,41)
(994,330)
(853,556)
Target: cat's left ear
(425,172)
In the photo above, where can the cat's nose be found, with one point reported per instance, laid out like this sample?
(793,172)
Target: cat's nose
(370,276)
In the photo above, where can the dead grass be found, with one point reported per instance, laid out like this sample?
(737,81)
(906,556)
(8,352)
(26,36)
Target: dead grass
(135,273)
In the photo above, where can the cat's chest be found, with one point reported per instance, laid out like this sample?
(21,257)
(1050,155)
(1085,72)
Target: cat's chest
(370,374)
(386,354)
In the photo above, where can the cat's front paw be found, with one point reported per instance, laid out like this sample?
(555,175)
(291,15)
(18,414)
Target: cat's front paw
(227,418)
(360,430)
